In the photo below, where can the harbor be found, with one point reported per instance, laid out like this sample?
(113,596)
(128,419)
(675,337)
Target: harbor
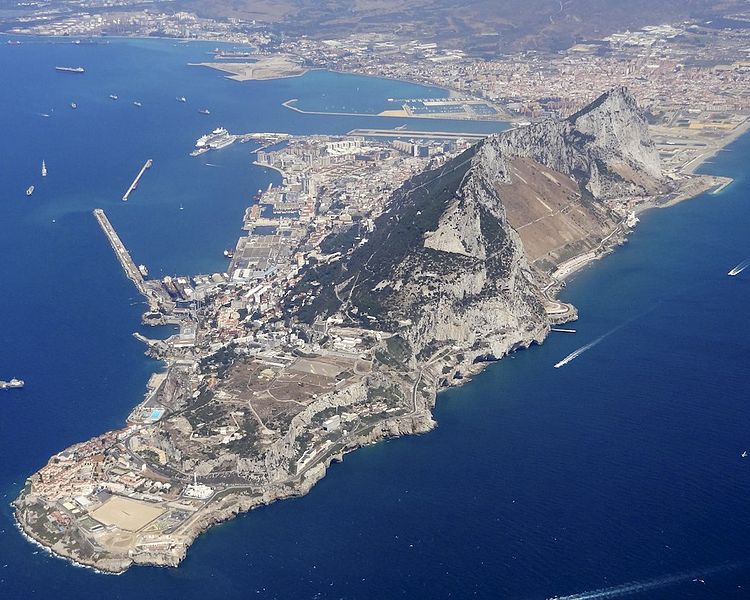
(144,168)
(150,292)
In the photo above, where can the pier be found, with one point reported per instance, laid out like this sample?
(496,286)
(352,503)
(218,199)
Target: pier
(146,165)
(122,254)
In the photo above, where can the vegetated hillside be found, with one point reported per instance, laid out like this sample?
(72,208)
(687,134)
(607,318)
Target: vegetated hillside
(483,27)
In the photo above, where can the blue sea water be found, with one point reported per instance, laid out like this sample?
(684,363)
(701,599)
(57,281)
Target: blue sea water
(617,475)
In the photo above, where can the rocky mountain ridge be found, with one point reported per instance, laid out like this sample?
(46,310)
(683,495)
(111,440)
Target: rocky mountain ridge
(446,264)
(454,274)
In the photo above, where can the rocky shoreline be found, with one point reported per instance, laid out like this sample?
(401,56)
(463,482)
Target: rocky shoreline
(471,282)
(237,503)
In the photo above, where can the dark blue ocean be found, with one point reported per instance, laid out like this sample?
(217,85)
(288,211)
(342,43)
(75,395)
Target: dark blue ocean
(617,475)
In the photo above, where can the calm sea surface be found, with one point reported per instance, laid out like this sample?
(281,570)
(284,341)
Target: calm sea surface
(617,475)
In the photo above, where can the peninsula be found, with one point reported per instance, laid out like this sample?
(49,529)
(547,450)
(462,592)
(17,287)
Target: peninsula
(378,273)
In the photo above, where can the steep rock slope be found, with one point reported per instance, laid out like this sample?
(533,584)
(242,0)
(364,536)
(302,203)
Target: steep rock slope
(446,264)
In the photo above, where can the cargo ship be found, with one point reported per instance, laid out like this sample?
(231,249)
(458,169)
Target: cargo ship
(12,384)
(204,111)
(44,169)
(71,69)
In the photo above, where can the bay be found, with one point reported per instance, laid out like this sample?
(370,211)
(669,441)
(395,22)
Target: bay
(620,471)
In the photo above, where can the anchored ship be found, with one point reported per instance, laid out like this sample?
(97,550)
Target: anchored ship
(44,169)
(204,111)
(30,190)
(71,69)
(73,105)
(113,96)
(137,103)
(181,99)
(216,140)
(12,384)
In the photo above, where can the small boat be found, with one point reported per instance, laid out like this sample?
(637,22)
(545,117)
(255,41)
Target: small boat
(204,111)
(137,103)
(181,207)
(70,69)
(44,169)
(113,96)
(30,190)
(228,253)
(12,384)
(181,99)
(73,105)
(744,454)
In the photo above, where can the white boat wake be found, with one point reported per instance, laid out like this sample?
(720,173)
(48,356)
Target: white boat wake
(576,353)
(740,267)
(636,587)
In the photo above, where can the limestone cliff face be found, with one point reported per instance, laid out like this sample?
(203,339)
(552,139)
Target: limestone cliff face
(446,266)
(605,146)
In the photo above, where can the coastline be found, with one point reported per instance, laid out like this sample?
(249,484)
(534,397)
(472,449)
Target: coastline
(228,503)
(733,135)
(696,184)
(238,503)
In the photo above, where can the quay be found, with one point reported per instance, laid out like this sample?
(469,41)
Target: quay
(121,252)
(146,165)
(431,135)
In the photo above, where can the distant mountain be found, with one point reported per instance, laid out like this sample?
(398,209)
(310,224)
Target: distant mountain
(461,252)
(480,26)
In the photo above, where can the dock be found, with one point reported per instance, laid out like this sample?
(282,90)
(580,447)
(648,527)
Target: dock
(146,165)
(121,252)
